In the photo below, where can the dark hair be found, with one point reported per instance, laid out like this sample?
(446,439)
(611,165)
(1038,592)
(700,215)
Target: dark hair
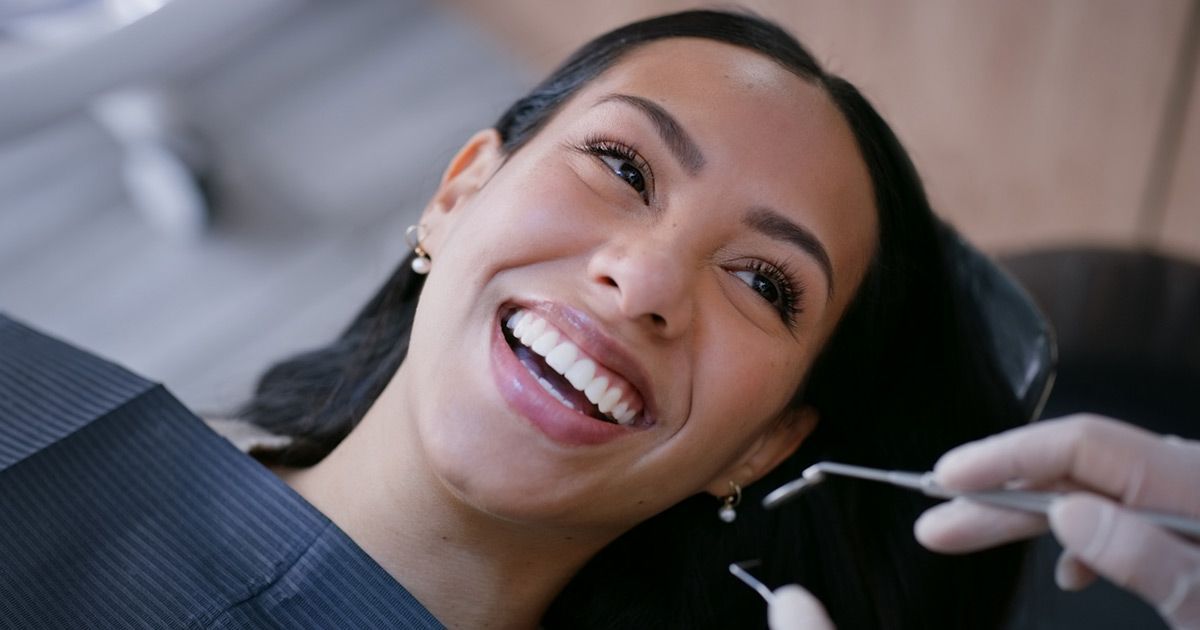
(899,383)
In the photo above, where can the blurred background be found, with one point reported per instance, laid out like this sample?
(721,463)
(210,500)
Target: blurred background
(196,188)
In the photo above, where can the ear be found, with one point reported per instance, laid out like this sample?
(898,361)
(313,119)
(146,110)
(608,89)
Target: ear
(471,168)
(773,446)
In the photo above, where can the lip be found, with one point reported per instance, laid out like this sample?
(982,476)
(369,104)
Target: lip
(526,396)
(583,331)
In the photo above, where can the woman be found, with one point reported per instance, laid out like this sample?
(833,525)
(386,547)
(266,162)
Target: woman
(740,248)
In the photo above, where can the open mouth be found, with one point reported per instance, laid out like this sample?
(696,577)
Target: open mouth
(573,378)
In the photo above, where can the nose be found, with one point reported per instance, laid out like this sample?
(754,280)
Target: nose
(649,283)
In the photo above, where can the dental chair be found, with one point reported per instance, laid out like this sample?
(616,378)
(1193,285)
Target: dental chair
(1019,338)
(1129,334)
(107,58)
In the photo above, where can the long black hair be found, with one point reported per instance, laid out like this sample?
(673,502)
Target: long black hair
(900,382)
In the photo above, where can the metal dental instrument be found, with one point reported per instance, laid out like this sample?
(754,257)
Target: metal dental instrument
(1023,500)
(738,569)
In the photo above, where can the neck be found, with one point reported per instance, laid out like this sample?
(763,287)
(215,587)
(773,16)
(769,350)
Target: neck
(471,570)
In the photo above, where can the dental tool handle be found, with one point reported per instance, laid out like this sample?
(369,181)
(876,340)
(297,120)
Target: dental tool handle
(1182,525)
(1026,501)
(1039,502)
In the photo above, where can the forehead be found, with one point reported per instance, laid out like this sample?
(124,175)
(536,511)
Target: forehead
(768,137)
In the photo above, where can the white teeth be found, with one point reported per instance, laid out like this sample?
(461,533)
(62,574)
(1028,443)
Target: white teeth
(545,343)
(522,324)
(561,357)
(580,374)
(609,400)
(596,389)
(533,331)
(565,358)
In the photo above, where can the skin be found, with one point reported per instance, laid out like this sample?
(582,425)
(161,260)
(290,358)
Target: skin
(1108,467)
(481,516)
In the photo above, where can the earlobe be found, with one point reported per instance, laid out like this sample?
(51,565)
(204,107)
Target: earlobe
(776,444)
(468,171)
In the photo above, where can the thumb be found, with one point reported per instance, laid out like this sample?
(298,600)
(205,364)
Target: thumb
(796,609)
(1132,553)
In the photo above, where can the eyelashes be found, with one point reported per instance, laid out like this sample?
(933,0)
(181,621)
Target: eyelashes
(625,162)
(773,282)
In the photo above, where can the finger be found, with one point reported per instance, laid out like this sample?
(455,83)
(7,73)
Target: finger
(1072,575)
(1107,456)
(1041,452)
(796,609)
(963,526)
(1132,553)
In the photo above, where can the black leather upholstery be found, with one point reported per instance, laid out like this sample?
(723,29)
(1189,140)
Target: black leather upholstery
(1020,338)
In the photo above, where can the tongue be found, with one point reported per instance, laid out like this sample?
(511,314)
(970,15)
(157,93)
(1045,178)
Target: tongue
(537,366)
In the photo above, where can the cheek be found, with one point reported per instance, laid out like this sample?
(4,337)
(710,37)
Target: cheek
(740,365)
(741,386)
(535,213)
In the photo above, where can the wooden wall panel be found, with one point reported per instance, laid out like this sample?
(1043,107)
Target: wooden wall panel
(1034,123)
(1181,220)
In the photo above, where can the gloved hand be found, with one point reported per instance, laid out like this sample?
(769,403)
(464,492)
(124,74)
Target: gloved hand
(1109,466)
(796,609)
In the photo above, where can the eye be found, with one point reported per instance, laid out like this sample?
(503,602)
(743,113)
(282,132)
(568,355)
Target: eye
(761,285)
(624,162)
(626,171)
(773,284)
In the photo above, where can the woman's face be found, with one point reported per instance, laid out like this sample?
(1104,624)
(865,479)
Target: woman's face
(693,223)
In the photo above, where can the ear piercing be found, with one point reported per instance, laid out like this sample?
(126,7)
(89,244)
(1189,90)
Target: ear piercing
(421,264)
(731,501)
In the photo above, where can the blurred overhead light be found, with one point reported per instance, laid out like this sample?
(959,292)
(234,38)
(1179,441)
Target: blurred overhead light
(126,11)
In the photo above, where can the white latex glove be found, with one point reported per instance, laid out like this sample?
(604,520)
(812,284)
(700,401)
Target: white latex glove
(1111,465)
(794,608)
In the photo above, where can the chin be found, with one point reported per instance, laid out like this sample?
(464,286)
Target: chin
(505,475)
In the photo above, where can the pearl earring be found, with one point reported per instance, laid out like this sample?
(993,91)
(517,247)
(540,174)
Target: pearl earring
(731,501)
(421,264)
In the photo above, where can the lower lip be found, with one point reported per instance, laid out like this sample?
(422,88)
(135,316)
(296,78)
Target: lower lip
(525,395)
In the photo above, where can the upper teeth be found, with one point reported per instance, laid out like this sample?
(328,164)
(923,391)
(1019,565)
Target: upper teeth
(568,360)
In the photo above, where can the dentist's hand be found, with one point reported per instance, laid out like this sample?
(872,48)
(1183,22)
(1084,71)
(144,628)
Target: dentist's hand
(1112,466)
(796,609)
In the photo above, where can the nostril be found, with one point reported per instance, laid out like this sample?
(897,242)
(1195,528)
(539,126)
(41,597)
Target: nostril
(609,281)
(658,320)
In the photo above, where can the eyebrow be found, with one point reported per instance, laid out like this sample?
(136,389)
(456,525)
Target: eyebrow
(677,140)
(762,220)
(776,226)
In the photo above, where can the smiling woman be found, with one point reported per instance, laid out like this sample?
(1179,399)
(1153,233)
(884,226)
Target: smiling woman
(687,263)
